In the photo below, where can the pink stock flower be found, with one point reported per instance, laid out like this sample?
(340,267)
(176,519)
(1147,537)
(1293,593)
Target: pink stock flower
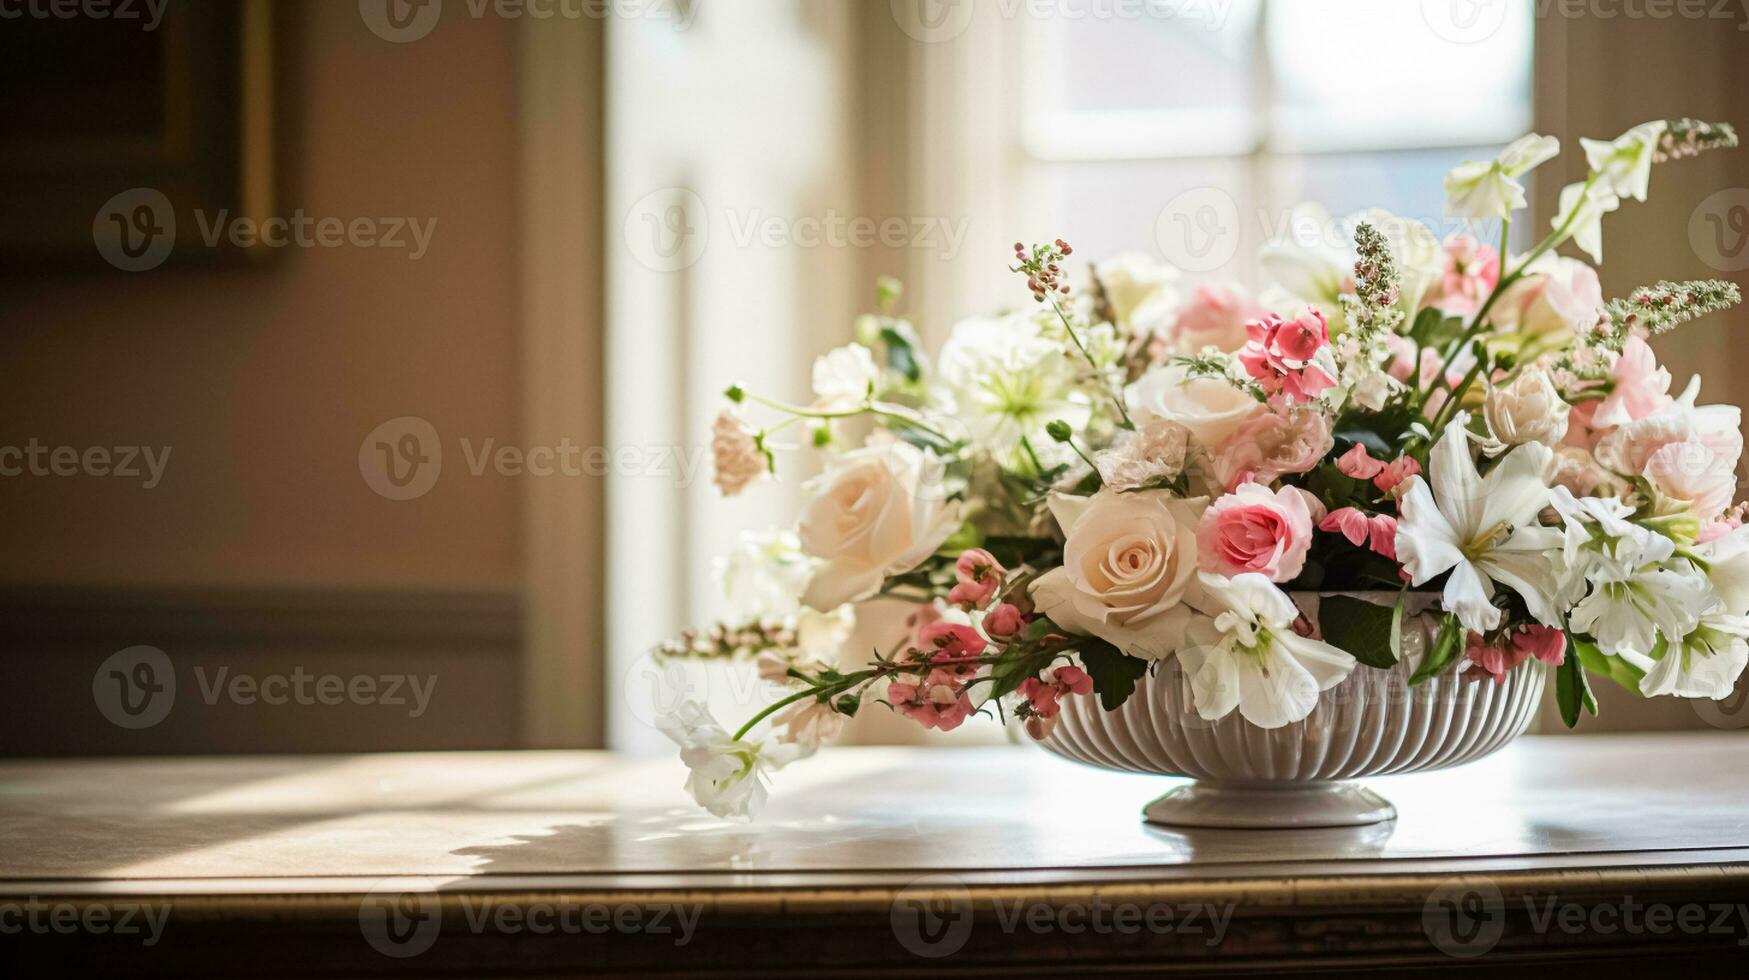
(1254,529)
(952,641)
(1004,622)
(1471,271)
(1290,359)
(941,700)
(980,575)
(1271,446)
(1642,388)
(1045,697)
(1214,317)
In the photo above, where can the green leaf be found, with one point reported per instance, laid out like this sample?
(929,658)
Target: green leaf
(1020,662)
(1446,647)
(1614,668)
(1572,691)
(902,351)
(1433,329)
(1364,630)
(1114,673)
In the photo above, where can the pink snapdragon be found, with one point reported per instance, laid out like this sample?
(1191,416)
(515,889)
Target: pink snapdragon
(1494,660)
(1290,359)
(980,576)
(1472,269)
(1377,532)
(1358,464)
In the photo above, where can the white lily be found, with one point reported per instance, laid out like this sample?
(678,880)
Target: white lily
(1704,664)
(1483,531)
(1591,204)
(1483,189)
(728,775)
(1625,163)
(1596,529)
(1249,657)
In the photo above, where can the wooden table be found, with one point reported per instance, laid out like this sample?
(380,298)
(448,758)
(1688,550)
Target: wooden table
(1623,850)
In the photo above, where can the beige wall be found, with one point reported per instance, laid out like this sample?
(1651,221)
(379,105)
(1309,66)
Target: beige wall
(263,550)
(264,380)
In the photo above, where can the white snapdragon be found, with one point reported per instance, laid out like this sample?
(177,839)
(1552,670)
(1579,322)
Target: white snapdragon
(727,775)
(1581,212)
(844,379)
(1624,164)
(1483,189)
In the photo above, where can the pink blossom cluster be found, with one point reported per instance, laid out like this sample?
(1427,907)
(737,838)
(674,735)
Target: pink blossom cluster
(1290,359)
(1044,697)
(1496,659)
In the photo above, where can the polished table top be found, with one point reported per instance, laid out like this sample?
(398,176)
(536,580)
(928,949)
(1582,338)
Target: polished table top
(853,825)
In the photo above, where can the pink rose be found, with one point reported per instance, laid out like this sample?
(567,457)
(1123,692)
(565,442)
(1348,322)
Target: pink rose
(1214,317)
(1254,529)
(1271,446)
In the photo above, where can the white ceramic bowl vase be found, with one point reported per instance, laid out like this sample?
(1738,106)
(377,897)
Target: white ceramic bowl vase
(1371,724)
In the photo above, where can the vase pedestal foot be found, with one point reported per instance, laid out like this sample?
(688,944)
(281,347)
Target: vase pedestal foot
(1266,806)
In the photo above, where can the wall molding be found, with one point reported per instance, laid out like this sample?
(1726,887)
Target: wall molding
(489,620)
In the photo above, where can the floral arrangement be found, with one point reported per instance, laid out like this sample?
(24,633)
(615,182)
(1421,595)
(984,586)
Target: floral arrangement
(1071,493)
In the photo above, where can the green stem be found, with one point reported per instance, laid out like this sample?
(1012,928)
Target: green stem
(823,691)
(1105,383)
(868,408)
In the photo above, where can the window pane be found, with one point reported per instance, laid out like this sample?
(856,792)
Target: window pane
(1155,55)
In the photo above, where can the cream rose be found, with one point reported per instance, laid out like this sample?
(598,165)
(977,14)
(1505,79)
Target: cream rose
(1138,290)
(1128,561)
(1210,408)
(877,512)
(1527,410)
(1688,455)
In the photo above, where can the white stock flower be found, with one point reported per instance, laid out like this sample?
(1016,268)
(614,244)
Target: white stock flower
(727,776)
(1584,209)
(1138,290)
(1490,188)
(1704,664)
(844,378)
(1249,657)
(763,577)
(1635,596)
(1527,410)
(1625,163)
(876,512)
(1006,380)
(1727,568)
(1482,530)
(1128,560)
